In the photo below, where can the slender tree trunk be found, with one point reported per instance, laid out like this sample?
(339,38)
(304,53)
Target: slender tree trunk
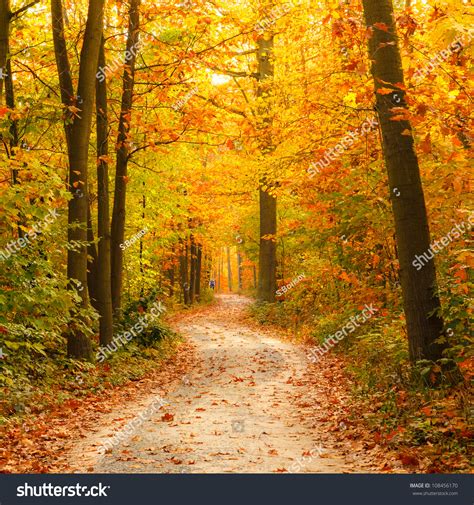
(62,62)
(78,136)
(142,268)
(123,150)
(183,271)
(5,14)
(187,288)
(239,269)
(229,270)
(198,271)
(104,291)
(6,71)
(92,260)
(171,270)
(268,202)
(219,272)
(192,279)
(421,303)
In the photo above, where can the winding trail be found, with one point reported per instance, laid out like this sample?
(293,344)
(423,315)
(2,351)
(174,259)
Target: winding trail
(244,405)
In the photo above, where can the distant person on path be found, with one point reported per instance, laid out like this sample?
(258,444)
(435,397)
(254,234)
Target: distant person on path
(212,284)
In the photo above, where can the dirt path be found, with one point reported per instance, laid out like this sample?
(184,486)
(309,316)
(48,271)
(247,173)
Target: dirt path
(242,407)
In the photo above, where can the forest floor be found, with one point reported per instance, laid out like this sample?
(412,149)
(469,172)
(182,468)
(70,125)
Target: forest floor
(239,398)
(248,402)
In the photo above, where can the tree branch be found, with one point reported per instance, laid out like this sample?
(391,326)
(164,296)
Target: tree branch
(14,15)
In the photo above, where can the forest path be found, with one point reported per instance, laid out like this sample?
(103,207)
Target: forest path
(245,405)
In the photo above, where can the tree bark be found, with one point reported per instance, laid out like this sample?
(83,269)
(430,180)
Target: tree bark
(229,270)
(5,14)
(123,149)
(239,269)
(77,137)
(62,62)
(192,277)
(104,291)
(198,271)
(268,202)
(219,272)
(421,303)
(6,69)
(183,271)
(92,260)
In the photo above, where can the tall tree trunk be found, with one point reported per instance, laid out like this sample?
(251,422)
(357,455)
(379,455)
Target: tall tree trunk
(123,149)
(104,291)
(421,303)
(171,274)
(92,260)
(62,62)
(198,271)
(142,268)
(5,15)
(219,272)
(6,71)
(192,277)
(268,204)
(239,269)
(183,271)
(229,270)
(170,270)
(78,136)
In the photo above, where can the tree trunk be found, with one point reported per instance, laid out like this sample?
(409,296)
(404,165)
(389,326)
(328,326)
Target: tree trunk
(92,261)
(183,271)
(421,303)
(123,150)
(104,291)
(229,270)
(142,267)
(192,279)
(5,15)
(6,70)
(62,62)
(198,272)
(239,269)
(77,137)
(219,272)
(171,279)
(268,203)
